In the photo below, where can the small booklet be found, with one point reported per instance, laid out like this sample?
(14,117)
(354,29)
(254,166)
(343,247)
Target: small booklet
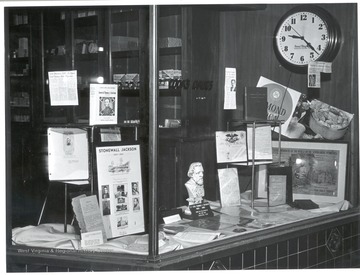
(88,214)
(256,103)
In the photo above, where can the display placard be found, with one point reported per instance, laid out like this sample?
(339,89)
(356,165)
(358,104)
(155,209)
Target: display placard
(200,210)
(120,189)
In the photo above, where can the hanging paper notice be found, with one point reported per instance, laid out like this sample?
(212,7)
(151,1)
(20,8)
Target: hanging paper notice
(230,89)
(68,154)
(63,88)
(120,189)
(231,146)
(103,104)
(315,69)
(282,102)
(229,187)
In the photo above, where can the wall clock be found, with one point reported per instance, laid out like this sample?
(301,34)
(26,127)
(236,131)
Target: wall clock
(306,33)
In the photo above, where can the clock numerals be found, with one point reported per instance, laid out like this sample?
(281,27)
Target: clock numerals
(306,34)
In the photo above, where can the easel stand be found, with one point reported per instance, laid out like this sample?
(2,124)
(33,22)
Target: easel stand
(68,181)
(254,124)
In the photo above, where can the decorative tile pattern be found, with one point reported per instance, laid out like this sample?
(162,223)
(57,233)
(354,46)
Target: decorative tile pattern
(337,247)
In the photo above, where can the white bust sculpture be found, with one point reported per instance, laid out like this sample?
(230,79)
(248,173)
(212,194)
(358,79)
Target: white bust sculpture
(195,185)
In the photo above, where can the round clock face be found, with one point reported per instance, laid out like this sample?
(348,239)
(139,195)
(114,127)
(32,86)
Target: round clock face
(302,37)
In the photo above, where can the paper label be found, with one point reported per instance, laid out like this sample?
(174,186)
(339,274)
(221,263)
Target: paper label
(91,239)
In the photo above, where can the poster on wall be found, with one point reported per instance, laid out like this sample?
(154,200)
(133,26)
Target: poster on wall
(282,102)
(120,189)
(63,88)
(103,104)
(68,150)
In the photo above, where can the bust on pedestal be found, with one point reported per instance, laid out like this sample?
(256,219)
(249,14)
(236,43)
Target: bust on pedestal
(195,188)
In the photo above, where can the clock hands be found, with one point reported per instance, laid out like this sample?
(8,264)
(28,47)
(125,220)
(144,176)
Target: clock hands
(302,38)
(295,36)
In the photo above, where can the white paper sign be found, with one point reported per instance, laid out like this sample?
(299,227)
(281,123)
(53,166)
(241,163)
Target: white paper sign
(103,104)
(68,154)
(230,89)
(63,88)
(120,189)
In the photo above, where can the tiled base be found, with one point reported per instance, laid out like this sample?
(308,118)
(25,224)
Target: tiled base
(337,247)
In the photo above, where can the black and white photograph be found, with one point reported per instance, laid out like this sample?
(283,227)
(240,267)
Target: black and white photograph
(180,136)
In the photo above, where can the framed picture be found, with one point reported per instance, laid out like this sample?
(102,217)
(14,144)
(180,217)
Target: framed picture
(279,185)
(318,169)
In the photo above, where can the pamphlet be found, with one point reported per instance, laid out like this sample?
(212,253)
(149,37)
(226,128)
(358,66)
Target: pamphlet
(103,104)
(229,187)
(120,189)
(88,214)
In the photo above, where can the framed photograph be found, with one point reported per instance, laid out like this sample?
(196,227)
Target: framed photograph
(318,169)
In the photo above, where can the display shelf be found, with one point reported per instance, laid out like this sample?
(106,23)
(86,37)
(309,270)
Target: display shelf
(125,54)
(170,51)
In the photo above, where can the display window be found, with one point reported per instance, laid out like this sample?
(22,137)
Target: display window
(174,137)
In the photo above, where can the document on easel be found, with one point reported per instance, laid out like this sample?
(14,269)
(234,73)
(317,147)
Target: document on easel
(230,146)
(68,149)
(263,144)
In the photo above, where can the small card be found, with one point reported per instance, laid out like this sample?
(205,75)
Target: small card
(93,238)
(171,219)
